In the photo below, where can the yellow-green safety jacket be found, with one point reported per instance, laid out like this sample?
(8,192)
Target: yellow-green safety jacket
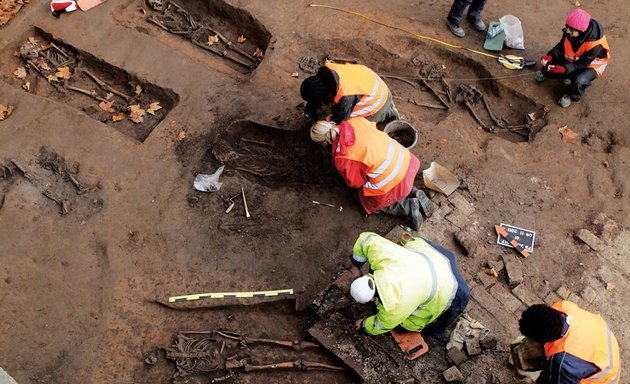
(415,284)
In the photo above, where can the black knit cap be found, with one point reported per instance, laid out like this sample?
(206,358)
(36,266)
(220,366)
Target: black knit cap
(541,323)
(313,90)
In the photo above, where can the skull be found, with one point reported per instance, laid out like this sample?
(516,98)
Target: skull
(158,5)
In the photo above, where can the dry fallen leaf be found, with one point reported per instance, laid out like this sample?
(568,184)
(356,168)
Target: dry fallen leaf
(43,64)
(52,78)
(20,73)
(109,95)
(106,106)
(181,136)
(136,113)
(532,116)
(259,54)
(26,86)
(213,39)
(138,90)
(33,40)
(241,39)
(153,107)
(118,117)
(606,164)
(144,11)
(568,136)
(295,74)
(63,72)
(5,111)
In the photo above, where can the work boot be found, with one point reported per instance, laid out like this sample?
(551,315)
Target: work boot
(456,29)
(565,101)
(425,203)
(415,215)
(478,24)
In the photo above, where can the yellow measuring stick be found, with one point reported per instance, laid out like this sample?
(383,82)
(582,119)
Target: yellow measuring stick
(228,295)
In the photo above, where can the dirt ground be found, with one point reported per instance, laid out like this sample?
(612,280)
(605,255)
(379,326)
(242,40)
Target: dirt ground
(79,292)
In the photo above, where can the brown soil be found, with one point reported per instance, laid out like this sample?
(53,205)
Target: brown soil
(78,291)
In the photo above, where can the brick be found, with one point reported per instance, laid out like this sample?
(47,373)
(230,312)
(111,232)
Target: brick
(588,294)
(498,265)
(509,301)
(526,295)
(458,219)
(564,292)
(485,279)
(439,214)
(492,305)
(551,298)
(588,238)
(453,375)
(461,204)
(541,287)
(472,347)
(467,240)
(456,355)
(514,270)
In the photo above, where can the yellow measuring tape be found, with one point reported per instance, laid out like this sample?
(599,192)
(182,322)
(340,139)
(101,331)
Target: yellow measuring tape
(508,62)
(228,295)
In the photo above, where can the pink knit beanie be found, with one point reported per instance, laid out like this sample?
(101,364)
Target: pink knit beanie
(578,19)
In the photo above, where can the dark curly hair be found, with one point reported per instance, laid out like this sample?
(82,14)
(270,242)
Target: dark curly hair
(541,323)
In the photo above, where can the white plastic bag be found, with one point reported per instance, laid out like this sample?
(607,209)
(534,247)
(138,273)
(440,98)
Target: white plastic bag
(209,183)
(513,32)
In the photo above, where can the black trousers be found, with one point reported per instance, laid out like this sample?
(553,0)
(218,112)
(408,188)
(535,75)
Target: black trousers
(462,296)
(457,10)
(580,80)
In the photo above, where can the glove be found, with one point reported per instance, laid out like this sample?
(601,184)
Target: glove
(557,69)
(545,60)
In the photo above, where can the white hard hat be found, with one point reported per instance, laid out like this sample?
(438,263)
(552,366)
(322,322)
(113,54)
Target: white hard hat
(363,289)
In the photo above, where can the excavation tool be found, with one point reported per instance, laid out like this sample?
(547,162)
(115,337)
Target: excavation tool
(519,238)
(231,203)
(324,204)
(247,215)
(508,61)
(227,295)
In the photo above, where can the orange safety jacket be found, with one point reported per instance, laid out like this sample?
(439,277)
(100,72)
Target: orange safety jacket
(387,161)
(589,339)
(599,64)
(359,80)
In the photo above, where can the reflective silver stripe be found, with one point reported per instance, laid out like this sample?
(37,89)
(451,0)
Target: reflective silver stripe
(610,356)
(391,175)
(378,325)
(434,287)
(359,258)
(360,108)
(365,241)
(433,278)
(391,151)
(602,66)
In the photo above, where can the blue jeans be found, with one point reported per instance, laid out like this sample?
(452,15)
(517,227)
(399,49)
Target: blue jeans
(436,329)
(457,10)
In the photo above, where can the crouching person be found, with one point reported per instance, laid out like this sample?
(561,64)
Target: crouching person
(416,288)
